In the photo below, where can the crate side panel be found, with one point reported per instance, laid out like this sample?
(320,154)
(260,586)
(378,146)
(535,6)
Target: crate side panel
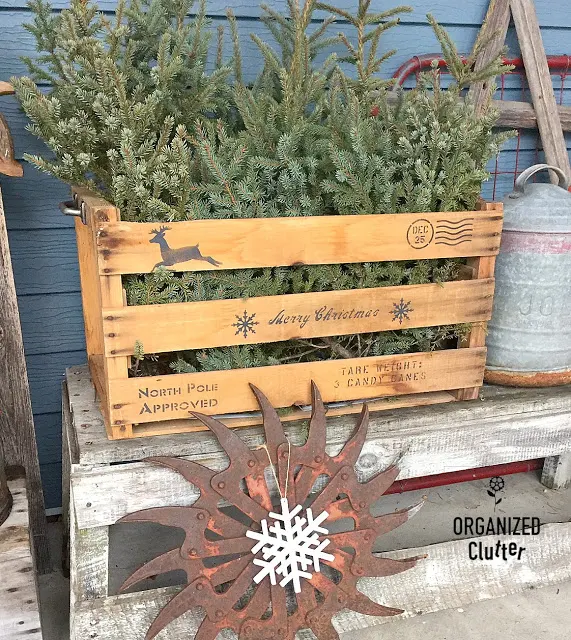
(216,323)
(150,399)
(90,288)
(390,403)
(200,245)
(110,294)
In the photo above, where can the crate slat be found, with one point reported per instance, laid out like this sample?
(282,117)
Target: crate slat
(166,427)
(481,267)
(109,293)
(216,323)
(170,397)
(126,247)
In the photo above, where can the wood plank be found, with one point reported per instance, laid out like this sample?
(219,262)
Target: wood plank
(477,336)
(109,293)
(441,448)
(495,26)
(14,530)
(32,202)
(19,610)
(482,267)
(515,114)
(6,89)
(68,459)
(557,472)
(45,373)
(445,579)
(240,244)
(522,115)
(97,370)
(215,323)
(540,85)
(552,13)
(408,40)
(90,286)
(8,165)
(51,481)
(89,560)
(52,323)
(166,427)
(48,433)
(16,420)
(45,261)
(500,408)
(169,397)
(247,9)
(507,426)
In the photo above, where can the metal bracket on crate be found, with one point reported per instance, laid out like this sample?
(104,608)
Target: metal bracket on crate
(70,208)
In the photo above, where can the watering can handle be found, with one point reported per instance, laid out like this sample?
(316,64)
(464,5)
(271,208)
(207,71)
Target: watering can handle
(524,176)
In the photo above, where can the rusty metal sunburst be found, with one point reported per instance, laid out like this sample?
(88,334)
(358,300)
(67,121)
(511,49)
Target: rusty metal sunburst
(216,554)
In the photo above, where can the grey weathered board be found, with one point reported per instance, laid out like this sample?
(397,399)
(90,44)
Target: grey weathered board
(16,421)
(495,27)
(557,472)
(540,85)
(446,579)
(105,480)
(19,610)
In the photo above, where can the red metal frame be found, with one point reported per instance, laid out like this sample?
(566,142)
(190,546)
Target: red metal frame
(560,67)
(416,64)
(466,475)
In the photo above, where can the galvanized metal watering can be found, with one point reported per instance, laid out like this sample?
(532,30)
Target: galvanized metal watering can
(529,339)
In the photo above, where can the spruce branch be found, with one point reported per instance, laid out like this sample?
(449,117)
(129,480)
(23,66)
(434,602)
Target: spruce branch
(462,70)
(219,46)
(237,61)
(363,54)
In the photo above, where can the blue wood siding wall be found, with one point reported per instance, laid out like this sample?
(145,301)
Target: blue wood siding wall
(42,240)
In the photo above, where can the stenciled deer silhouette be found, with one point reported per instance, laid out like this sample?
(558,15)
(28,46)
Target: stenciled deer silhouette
(174,256)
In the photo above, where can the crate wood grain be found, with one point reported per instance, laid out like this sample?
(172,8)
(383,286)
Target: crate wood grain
(108,481)
(273,242)
(19,610)
(509,424)
(136,406)
(188,325)
(221,392)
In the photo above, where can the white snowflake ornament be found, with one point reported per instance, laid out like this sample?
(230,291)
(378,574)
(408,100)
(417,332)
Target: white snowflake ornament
(290,546)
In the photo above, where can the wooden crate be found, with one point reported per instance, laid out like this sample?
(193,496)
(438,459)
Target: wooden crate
(109,248)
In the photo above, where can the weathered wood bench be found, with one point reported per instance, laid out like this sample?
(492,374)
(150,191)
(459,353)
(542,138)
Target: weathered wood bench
(105,480)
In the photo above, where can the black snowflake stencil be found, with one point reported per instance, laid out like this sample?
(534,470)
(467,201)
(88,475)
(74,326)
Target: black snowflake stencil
(245,324)
(401,310)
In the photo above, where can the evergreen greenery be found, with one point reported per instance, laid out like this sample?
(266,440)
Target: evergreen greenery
(136,112)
